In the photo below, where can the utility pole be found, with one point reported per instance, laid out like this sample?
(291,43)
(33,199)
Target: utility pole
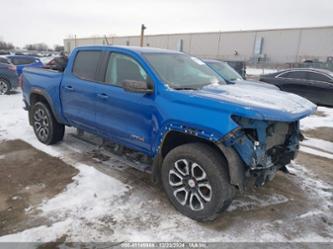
(143,27)
(106,40)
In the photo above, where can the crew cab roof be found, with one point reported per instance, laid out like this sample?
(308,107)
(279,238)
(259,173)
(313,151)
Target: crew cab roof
(133,48)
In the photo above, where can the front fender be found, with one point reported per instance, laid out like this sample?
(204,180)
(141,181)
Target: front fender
(200,132)
(235,165)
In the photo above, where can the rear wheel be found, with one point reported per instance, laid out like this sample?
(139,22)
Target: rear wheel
(46,127)
(4,86)
(196,180)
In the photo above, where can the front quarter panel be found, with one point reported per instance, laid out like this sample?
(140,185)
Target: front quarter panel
(176,113)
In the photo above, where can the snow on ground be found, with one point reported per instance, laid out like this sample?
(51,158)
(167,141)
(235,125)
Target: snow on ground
(317,147)
(313,121)
(316,152)
(99,207)
(323,145)
(259,71)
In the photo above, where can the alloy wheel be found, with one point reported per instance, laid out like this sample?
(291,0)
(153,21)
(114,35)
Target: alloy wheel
(190,184)
(3,87)
(41,124)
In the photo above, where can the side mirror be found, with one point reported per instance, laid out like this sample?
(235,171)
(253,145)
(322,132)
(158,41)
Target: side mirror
(136,86)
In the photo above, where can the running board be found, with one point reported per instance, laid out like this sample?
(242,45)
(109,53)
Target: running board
(111,154)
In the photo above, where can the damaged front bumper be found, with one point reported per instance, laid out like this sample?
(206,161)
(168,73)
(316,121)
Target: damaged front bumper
(264,146)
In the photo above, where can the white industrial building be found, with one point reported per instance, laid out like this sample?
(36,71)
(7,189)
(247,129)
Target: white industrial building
(271,46)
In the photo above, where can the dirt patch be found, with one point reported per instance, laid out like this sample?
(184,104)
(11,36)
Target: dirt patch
(28,176)
(320,166)
(325,133)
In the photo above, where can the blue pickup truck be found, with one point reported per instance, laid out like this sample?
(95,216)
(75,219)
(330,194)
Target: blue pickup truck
(204,137)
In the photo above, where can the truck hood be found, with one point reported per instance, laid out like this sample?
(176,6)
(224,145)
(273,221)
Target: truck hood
(256,102)
(251,83)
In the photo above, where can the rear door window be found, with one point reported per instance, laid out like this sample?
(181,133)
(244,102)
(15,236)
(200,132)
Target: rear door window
(294,75)
(86,63)
(318,77)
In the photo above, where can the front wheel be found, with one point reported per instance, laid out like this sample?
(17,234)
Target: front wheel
(196,180)
(4,87)
(46,128)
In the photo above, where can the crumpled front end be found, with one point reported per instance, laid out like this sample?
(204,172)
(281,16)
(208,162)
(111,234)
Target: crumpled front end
(264,146)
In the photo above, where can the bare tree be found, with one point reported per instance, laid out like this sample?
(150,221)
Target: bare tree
(6,45)
(59,48)
(37,47)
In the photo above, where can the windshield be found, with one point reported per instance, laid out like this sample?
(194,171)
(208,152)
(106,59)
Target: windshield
(181,71)
(226,71)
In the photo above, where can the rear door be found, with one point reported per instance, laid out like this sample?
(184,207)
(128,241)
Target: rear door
(320,88)
(293,81)
(123,116)
(78,90)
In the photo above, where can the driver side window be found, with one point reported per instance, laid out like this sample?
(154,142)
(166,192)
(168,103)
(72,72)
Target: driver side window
(122,67)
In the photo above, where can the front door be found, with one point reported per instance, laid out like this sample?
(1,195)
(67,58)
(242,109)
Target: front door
(122,116)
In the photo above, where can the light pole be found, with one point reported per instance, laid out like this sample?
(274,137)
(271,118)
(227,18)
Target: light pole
(143,27)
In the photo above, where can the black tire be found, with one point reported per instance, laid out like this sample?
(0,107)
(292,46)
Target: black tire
(46,128)
(5,86)
(214,199)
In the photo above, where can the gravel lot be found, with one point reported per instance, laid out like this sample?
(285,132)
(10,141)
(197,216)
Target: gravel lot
(67,193)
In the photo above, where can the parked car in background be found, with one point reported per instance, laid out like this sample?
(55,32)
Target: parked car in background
(2,52)
(19,53)
(239,66)
(8,76)
(57,63)
(313,84)
(22,61)
(231,76)
(201,135)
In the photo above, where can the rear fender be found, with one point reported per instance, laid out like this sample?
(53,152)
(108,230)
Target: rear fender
(48,99)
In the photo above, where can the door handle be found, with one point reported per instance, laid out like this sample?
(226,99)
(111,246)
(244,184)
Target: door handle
(103,95)
(69,88)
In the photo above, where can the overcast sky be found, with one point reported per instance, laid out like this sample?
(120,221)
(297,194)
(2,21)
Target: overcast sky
(35,21)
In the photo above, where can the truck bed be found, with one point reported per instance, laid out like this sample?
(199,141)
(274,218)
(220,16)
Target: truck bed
(48,83)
